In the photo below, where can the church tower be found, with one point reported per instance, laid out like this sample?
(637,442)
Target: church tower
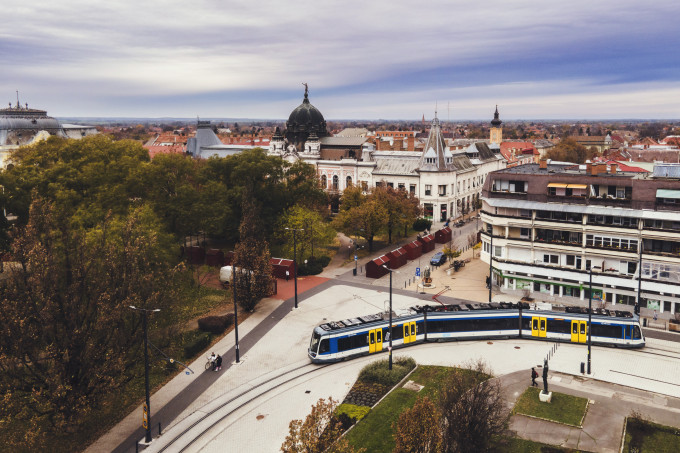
(496,129)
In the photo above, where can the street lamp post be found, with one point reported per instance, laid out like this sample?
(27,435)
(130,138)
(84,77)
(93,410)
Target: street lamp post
(295,230)
(233,289)
(390,331)
(490,262)
(147,412)
(590,311)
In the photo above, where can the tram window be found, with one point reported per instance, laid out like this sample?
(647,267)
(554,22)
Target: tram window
(371,337)
(397,332)
(543,325)
(324,346)
(413,329)
(557,326)
(636,333)
(535,325)
(526,323)
(315,341)
(574,327)
(583,328)
(600,330)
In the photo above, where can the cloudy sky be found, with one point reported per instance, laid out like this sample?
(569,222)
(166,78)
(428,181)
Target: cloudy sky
(365,59)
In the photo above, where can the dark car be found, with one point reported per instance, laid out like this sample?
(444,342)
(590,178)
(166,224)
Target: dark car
(438,259)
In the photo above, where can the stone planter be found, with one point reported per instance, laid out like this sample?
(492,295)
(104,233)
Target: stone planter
(545,397)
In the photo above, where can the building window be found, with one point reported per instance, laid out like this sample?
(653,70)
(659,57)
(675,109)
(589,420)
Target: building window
(551,259)
(324,182)
(442,190)
(390,184)
(364,185)
(336,182)
(498,251)
(348,182)
(412,189)
(401,186)
(428,189)
(524,232)
(453,191)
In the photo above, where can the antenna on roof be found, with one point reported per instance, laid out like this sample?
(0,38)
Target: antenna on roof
(18,99)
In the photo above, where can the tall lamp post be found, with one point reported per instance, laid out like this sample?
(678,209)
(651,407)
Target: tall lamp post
(233,290)
(295,230)
(390,331)
(590,311)
(490,262)
(146,421)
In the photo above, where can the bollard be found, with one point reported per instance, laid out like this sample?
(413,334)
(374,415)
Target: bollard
(159,428)
(136,447)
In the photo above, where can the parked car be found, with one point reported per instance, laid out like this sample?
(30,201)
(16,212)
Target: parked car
(460,223)
(438,259)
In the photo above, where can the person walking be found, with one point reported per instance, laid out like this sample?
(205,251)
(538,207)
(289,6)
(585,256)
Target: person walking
(534,375)
(218,362)
(287,275)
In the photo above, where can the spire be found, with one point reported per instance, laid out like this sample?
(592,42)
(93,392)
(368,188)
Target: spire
(496,122)
(435,156)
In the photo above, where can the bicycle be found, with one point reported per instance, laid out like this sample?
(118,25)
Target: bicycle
(209,363)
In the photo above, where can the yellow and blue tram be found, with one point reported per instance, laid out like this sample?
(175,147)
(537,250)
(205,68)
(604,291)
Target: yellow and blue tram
(364,335)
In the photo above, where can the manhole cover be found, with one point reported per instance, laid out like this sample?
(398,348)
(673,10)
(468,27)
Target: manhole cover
(516,347)
(489,342)
(260,417)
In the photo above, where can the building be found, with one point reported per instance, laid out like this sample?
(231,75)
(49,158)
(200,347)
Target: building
(205,144)
(600,142)
(447,181)
(21,125)
(549,225)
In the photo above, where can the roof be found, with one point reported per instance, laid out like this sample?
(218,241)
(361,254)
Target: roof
(353,132)
(396,166)
(342,141)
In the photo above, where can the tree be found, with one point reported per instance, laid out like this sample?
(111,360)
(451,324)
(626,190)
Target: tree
(568,150)
(318,433)
(473,410)
(365,220)
(252,261)
(67,336)
(418,429)
(451,253)
(316,232)
(401,208)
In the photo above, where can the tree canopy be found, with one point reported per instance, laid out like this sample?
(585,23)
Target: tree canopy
(568,150)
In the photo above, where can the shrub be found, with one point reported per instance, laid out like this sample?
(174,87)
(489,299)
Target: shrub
(349,414)
(422,224)
(200,343)
(314,265)
(216,324)
(378,372)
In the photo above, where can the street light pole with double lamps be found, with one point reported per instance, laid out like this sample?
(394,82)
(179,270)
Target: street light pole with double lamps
(295,230)
(146,421)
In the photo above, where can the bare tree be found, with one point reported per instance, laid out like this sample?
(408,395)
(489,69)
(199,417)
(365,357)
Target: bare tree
(417,430)
(473,410)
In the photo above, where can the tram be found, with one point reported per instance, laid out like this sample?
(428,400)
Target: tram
(349,338)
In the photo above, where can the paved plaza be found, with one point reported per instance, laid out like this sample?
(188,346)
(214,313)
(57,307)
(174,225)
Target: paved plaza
(248,406)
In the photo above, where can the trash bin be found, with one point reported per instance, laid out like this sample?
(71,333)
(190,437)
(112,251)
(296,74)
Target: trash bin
(354,271)
(583,368)
(644,322)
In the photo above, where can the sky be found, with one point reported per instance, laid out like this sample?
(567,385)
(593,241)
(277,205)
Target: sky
(375,59)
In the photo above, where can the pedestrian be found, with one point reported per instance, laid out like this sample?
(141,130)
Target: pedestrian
(287,275)
(655,317)
(487,282)
(534,375)
(218,363)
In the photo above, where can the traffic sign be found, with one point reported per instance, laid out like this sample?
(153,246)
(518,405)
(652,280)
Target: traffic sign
(417,272)
(356,257)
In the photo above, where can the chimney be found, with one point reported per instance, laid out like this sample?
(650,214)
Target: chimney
(543,164)
(398,144)
(592,169)
(411,144)
(613,168)
(378,144)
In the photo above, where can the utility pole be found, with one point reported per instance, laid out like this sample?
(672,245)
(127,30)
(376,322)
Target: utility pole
(295,230)
(233,289)
(490,263)
(590,312)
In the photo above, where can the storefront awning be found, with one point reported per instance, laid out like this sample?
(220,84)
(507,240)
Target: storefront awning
(577,186)
(557,184)
(667,193)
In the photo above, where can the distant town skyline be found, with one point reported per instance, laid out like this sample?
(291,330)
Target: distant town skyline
(362,60)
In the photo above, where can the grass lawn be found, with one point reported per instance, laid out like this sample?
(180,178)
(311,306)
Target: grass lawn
(562,409)
(374,432)
(644,436)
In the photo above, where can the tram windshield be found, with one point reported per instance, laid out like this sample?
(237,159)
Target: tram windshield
(636,333)
(314,344)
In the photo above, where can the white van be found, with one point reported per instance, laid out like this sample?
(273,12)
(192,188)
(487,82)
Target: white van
(227,273)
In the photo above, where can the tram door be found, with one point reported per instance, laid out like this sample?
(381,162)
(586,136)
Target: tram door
(374,341)
(627,332)
(409,332)
(579,331)
(538,326)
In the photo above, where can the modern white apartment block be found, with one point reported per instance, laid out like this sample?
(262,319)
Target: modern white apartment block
(549,224)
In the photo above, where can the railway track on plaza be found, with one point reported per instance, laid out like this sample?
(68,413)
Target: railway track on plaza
(307,371)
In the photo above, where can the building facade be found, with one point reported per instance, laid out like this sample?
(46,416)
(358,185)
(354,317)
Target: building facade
(447,181)
(550,228)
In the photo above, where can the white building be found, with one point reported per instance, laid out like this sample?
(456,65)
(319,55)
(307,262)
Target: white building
(548,225)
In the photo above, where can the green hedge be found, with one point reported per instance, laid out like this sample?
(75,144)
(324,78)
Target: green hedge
(378,372)
(216,324)
(314,265)
(196,346)
(353,411)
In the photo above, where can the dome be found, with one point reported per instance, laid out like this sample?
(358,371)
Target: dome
(496,122)
(304,120)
